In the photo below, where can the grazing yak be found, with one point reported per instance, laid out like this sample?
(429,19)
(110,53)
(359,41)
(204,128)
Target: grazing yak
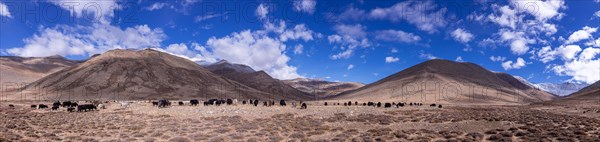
(74,104)
(71,109)
(303,106)
(10,105)
(364,104)
(229,102)
(432,105)
(387,105)
(42,106)
(325,103)
(439,106)
(378,104)
(163,103)
(345,104)
(86,107)
(180,103)
(154,103)
(56,104)
(194,102)
(244,102)
(66,104)
(255,102)
(33,106)
(282,103)
(349,103)
(265,103)
(54,108)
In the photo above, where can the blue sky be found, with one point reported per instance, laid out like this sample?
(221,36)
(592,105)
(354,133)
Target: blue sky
(362,41)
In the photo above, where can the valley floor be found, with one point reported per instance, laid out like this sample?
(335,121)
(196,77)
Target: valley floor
(143,122)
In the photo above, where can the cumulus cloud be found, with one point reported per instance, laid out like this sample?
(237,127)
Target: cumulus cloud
(87,40)
(102,10)
(497,58)
(462,35)
(391,59)
(261,11)
(425,15)
(307,6)
(350,66)
(298,49)
(156,6)
(396,36)
(566,53)
(582,34)
(508,65)
(4,10)
(585,67)
(349,37)
(541,9)
(428,56)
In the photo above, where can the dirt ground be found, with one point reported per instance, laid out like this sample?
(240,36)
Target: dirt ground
(141,121)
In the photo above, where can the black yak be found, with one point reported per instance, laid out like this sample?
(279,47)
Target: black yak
(432,105)
(255,102)
(180,103)
(325,103)
(378,104)
(349,103)
(282,102)
(387,105)
(194,102)
(163,103)
(303,106)
(42,106)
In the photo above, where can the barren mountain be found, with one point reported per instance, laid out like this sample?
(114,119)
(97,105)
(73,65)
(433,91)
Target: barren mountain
(258,80)
(321,87)
(587,95)
(144,74)
(28,69)
(449,82)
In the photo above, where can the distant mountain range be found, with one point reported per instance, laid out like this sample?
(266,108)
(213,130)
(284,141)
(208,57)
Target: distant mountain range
(322,88)
(28,69)
(560,89)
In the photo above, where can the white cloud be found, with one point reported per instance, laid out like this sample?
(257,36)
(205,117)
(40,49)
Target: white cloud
(519,47)
(597,13)
(541,9)
(391,59)
(198,53)
(156,6)
(256,50)
(4,10)
(459,59)
(202,18)
(582,34)
(497,58)
(349,37)
(546,54)
(462,35)
(298,49)
(580,70)
(102,10)
(568,52)
(394,50)
(425,15)
(397,36)
(350,66)
(261,11)
(307,6)
(299,32)
(424,55)
(520,63)
(81,40)
(589,53)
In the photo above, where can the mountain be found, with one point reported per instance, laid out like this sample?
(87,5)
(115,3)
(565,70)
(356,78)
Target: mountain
(321,87)
(448,82)
(141,75)
(560,89)
(28,69)
(587,95)
(258,80)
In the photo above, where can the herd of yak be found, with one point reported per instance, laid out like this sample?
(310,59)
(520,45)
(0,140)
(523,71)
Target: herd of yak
(94,105)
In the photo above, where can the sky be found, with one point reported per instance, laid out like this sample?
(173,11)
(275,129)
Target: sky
(551,41)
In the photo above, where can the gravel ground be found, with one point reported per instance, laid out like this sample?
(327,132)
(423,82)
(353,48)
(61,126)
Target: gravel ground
(143,122)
